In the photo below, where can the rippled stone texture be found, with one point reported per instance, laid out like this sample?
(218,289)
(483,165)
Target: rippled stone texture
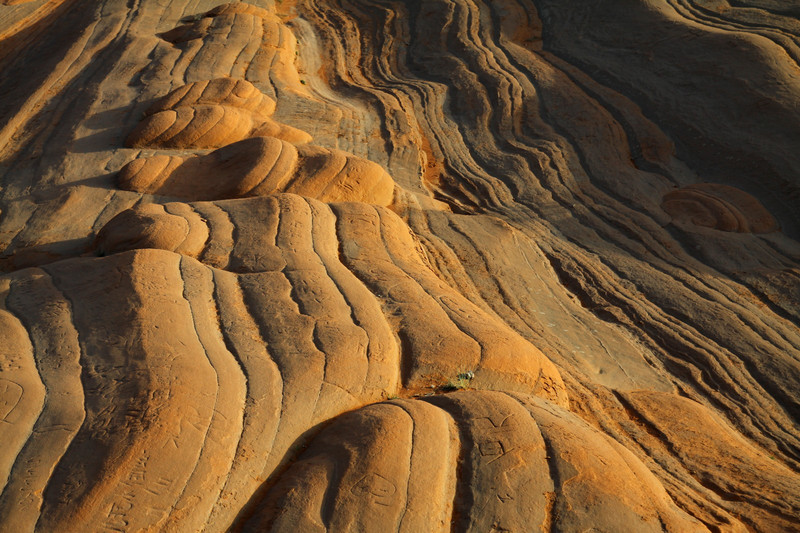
(538,269)
(211,114)
(719,207)
(259,166)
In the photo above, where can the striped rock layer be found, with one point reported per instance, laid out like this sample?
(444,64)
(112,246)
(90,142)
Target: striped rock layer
(539,269)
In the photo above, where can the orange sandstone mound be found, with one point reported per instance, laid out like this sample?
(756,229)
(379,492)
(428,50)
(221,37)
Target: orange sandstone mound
(440,265)
(720,207)
(211,114)
(260,166)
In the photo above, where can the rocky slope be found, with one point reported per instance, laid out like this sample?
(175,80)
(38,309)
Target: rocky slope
(372,265)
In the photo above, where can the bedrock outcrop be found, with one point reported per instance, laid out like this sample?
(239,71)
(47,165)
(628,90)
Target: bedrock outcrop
(440,265)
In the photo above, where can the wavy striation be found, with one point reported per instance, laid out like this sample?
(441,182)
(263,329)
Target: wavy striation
(211,114)
(260,166)
(539,268)
(503,449)
(719,207)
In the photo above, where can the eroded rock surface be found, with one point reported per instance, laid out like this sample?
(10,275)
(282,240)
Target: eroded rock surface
(719,207)
(260,166)
(487,451)
(211,114)
(441,265)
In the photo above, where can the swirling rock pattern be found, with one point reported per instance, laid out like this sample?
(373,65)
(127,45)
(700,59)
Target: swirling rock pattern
(501,197)
(261,166)
(211,114)
(508,447)
(240,40)
(399,280)
(719,207)
(219,91)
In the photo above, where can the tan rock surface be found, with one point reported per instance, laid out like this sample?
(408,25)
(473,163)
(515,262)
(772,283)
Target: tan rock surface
(537,270)
(211,114)
(261,166)
(487,452)
(719,207)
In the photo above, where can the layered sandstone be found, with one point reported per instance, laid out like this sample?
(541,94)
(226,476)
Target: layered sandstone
(440,265)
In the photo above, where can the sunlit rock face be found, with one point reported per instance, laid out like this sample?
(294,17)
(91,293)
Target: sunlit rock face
(440,265)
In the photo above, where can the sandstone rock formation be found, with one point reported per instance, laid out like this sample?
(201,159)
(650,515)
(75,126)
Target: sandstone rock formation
(720,207)
(509,449)
(211,114)
(440,265)
(260,166)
